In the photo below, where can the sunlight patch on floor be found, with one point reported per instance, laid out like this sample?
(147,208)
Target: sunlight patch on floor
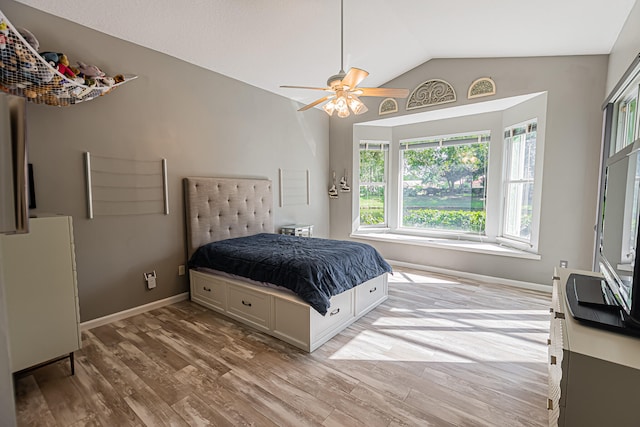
(482,311)
(402,277)
(401,310)
(438,346)
(461,323)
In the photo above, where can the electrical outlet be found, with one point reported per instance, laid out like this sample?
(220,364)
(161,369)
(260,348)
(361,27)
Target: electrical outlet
(151,279)
(181,270)
(564,264)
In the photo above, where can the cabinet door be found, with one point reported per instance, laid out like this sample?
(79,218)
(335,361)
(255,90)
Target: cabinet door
(40,284)
(250,307)
(211,293)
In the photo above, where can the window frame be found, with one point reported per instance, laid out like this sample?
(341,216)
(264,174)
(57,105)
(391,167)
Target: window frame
(384,146)
(621,122)
(506,181)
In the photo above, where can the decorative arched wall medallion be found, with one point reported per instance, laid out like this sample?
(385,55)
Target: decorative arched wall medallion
(431,92)
(483,86)
(388,106)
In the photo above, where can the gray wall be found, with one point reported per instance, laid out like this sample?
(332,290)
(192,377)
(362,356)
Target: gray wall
(203,123)
(625,49)
(576,87)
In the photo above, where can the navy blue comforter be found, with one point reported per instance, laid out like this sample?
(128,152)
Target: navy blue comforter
(315,269)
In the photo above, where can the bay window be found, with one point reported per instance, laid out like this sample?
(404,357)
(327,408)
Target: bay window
(473,186)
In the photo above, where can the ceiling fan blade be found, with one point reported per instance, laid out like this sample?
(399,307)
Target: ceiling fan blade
(382,91)
(316,102)
(354,77)
(306,87)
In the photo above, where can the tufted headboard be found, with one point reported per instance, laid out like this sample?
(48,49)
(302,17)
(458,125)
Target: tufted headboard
(222,208)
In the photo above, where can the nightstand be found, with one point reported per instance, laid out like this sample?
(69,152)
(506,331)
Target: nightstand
(297,230)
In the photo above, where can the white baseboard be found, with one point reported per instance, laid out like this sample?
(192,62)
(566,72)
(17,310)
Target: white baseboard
(94,323)
(473,276)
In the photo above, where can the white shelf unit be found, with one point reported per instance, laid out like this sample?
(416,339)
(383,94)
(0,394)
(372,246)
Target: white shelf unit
(41,293)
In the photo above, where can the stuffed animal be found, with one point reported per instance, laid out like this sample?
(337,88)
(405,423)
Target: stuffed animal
(65,69)
(4,32)
(29,68)
(60,62)
(107,81)
(26,60)
(30,38)
(6,44)
(51,57)
(89,70)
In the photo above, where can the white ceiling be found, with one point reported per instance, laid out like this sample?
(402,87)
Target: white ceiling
(297,42)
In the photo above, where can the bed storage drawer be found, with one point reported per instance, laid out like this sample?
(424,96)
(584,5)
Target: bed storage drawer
(249,306)
(211,293)
(369,294)
(340,312)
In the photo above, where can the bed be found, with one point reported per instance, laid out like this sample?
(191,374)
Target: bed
(220,211)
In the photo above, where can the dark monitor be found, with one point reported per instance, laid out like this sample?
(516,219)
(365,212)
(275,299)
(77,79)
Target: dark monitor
(619,240)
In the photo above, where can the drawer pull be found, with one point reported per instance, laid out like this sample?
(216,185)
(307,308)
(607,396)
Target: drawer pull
(373,290)
(334,312)
(550,404)
(559,315)
(206,289)
(554,360)
(248,304)
(548,341)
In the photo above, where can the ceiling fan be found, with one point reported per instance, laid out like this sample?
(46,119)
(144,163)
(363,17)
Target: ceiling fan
(344,88)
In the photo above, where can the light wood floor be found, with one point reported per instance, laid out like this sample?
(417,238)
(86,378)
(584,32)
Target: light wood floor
(439,352)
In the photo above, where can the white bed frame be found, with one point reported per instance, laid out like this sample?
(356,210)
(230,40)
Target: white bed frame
(221,208)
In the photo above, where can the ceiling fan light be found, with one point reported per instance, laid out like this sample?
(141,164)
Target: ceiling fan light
(343,112)
(329,107)
(356,105)
(342,106)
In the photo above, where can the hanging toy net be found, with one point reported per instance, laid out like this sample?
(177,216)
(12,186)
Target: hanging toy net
(24,72)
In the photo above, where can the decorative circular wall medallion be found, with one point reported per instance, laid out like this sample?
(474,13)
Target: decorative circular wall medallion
(388,106)
(483,86)
(431,92)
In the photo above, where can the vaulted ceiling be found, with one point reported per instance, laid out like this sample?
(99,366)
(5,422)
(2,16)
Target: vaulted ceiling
(268,43)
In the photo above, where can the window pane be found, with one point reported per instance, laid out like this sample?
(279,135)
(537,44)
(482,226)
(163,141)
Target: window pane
(519,210)
(523,156)
(372,187)
(444,187)
(631,121)
(372,205)
(627,110)
(372,165)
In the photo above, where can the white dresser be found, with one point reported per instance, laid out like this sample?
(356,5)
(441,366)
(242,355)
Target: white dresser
(594,374)
(41,292)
